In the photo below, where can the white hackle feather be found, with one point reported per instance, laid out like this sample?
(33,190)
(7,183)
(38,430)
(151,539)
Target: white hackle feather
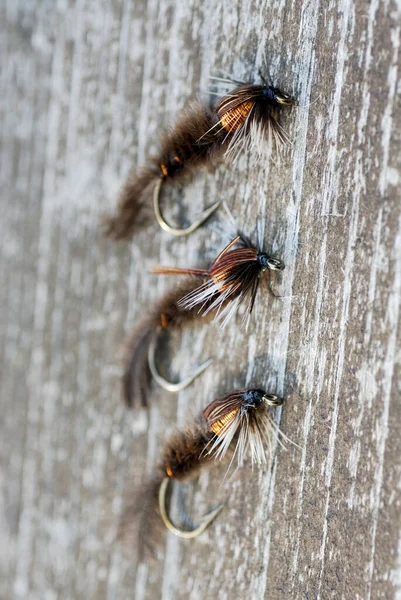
(262,138)
(265,136)
(256,430)
(223,312)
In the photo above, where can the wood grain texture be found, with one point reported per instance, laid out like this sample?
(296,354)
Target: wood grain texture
(85,89)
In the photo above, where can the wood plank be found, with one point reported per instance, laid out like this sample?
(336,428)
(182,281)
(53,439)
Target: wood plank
(86,89)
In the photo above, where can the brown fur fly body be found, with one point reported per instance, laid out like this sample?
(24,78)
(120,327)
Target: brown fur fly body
(189,144)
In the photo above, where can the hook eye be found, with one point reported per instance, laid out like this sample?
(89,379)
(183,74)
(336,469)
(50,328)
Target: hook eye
(182,533)
(169,386)
(177,231)
(273,400)
(274,264)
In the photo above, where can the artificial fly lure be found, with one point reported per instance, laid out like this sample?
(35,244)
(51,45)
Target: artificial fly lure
(232,279)
(141,345)
(250,114)
(242,120)
(235,424)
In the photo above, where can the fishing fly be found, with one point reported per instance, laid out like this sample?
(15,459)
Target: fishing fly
(250,115)
(234,425)
(243,120)
(232,279)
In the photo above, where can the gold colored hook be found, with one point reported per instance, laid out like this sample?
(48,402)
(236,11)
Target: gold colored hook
(182,533)
(169,386)
(179,232)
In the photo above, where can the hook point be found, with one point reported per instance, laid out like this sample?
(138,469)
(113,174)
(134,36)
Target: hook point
(169,386)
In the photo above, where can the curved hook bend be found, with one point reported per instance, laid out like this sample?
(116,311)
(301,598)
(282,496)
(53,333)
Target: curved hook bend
(169,386)
(182,533)
(177,231)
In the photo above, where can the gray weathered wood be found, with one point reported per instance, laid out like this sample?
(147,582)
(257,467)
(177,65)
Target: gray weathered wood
(85,89)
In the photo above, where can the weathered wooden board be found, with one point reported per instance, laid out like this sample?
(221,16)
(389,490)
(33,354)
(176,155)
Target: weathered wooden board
(85,89)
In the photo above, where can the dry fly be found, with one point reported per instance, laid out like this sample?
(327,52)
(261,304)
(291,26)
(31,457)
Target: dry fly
(232,279)
(243,120)
(239,422)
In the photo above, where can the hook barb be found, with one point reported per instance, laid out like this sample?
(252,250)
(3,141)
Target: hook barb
(182,533)
(169,386)
(179,232)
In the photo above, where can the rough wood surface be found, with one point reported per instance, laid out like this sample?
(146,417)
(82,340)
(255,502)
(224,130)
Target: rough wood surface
(85,88)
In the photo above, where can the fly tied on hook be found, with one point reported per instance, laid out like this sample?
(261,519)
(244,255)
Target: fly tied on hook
(243,120)
(232,279)
(234,425)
